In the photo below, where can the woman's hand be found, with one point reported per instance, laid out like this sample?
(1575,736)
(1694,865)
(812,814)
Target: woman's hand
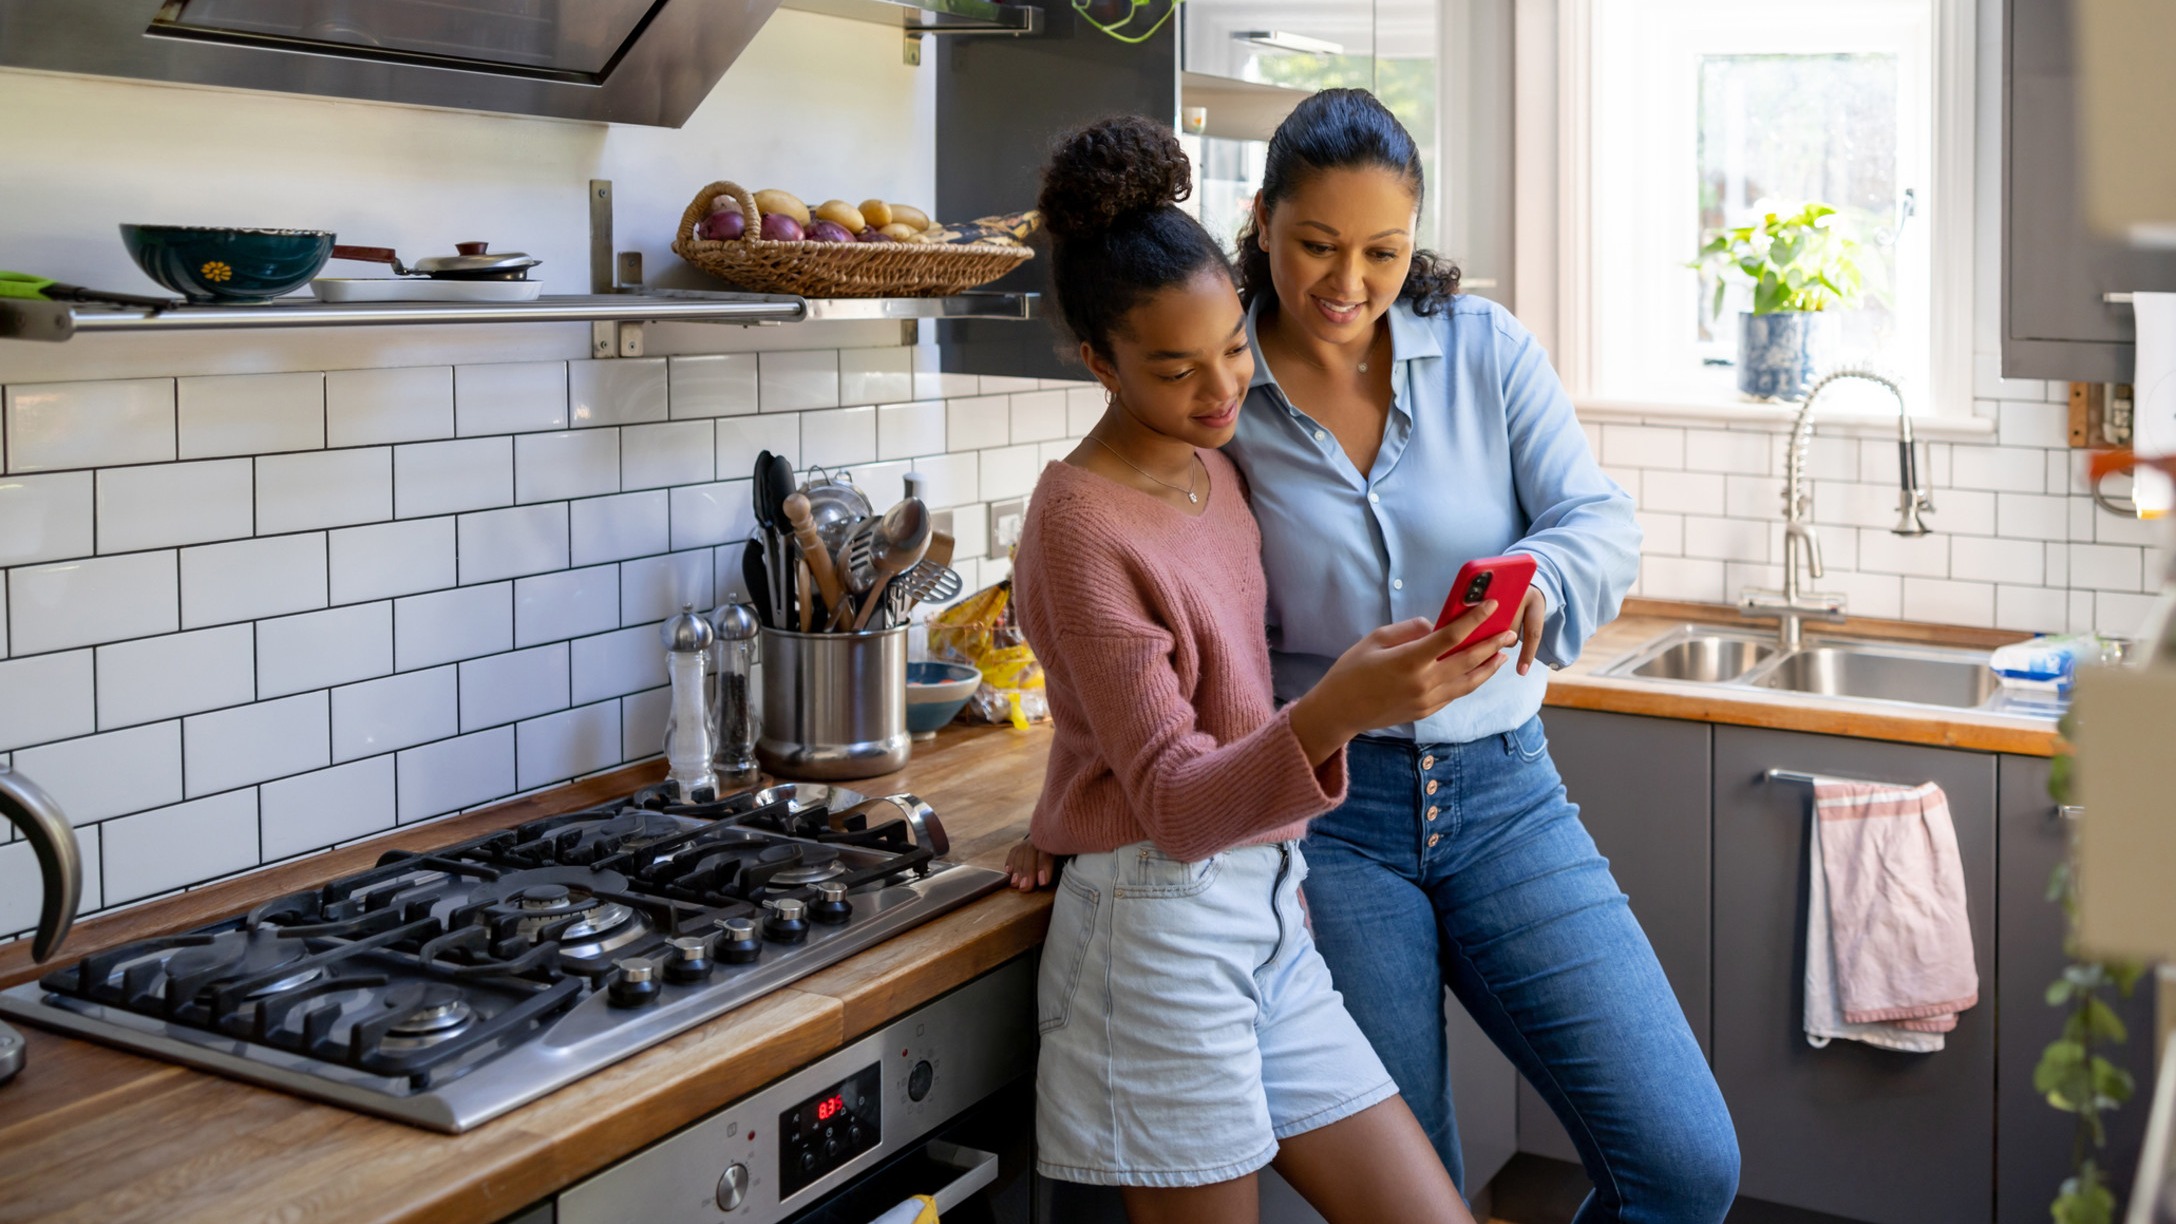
(1029,867)
(1393,676)
(1533,610)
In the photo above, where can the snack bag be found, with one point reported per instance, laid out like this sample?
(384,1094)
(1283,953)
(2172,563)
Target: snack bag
(981,631)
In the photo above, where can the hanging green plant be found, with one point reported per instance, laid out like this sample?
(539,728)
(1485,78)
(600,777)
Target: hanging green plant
(2072,1074)
(1117,29)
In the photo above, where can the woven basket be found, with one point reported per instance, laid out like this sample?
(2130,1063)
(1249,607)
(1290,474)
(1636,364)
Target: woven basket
(836,269)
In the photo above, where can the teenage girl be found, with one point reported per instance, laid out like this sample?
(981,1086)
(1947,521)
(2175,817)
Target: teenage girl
(1190,1034)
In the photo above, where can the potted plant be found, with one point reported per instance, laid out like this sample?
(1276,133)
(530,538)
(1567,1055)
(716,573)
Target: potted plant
(1800,266)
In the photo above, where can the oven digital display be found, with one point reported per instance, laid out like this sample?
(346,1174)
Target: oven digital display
(828,1129)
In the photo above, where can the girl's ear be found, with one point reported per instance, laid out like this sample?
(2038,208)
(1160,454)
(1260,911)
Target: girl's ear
(1100,366)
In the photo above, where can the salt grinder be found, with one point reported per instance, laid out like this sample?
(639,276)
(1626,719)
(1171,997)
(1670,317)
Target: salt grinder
(732,695)
(689,731)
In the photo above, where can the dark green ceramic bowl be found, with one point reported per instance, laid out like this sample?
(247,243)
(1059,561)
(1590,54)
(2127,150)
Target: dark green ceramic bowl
(208,264)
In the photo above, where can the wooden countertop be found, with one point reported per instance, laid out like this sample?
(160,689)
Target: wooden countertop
(1579,686)
(89,1133)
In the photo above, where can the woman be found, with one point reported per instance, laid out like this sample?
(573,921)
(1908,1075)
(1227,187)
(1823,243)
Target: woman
(1394,430)
(1189,1031)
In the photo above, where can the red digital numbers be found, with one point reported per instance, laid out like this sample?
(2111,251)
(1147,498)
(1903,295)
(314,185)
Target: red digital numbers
(829,1108)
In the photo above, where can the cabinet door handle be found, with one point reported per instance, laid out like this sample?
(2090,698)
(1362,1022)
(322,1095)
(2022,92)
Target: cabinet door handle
(2068,812)
(1279,40)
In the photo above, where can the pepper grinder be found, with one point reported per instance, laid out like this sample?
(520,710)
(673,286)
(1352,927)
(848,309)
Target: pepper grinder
(732,695)
(689,731)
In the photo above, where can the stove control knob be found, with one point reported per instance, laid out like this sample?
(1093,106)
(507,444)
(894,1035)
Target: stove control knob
(788,923)
(919,1079)
(738,943)
(635,984)
(831,905)
(690,960)
(733,1187)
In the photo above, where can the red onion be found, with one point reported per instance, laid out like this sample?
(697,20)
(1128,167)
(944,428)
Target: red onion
(778,227)
(723,226)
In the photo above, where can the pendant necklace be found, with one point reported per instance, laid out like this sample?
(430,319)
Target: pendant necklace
(1188,490)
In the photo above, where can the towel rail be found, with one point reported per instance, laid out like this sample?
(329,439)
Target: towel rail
(1812,779)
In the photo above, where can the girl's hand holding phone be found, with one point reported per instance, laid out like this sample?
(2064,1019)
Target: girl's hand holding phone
(1395,675)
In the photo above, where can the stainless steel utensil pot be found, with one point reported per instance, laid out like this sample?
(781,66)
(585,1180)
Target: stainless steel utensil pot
(834,704)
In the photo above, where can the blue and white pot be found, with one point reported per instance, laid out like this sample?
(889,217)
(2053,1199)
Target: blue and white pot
(1779,353)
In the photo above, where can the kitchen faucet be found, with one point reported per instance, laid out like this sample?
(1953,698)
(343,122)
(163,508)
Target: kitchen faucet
(1791,606)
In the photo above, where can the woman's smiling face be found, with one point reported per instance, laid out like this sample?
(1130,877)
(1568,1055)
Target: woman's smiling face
(1339,247)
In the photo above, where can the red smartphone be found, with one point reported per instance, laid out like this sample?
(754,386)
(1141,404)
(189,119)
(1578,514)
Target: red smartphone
(1503,579)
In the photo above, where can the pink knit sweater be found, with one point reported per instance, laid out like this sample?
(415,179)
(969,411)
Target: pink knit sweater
(1148,623)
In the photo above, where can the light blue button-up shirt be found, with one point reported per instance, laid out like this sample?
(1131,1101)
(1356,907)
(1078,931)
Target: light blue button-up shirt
(1481,455)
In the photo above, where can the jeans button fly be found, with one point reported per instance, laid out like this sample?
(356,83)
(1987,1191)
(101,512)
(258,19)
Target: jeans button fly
(1433,838)
(1427,762)
(1432,786)
(1433,810)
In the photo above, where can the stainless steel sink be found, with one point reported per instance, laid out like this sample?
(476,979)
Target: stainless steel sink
(1707,658)
(1958,679)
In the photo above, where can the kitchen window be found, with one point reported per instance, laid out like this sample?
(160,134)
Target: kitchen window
(1682,116)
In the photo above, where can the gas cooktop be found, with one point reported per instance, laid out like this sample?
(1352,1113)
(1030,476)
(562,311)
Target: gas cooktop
(444,989)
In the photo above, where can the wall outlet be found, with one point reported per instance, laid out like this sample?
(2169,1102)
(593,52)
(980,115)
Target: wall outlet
(1006,519)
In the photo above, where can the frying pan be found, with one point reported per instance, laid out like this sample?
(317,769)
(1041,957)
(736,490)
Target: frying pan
(471,264)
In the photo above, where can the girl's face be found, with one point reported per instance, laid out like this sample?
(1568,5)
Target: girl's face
(1339,248)
(1180,362)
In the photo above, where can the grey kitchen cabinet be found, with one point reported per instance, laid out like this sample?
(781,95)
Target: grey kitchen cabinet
(2036,1137)
(2054,268)
(1850,1130)
(1642,786)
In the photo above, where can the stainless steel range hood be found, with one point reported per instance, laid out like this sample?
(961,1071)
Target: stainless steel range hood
(617,61)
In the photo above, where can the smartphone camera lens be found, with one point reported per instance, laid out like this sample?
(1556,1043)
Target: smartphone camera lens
(1478,587)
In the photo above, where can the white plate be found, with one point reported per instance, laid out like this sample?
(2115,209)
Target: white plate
(422,289)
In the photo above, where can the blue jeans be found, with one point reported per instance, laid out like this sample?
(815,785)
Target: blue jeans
(1464,865)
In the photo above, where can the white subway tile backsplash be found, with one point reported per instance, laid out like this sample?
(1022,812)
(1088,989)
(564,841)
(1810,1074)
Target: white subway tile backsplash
(497,544)
(1083,408)
(2058,564)
(2110,528)
(376,407)
(674,453)
(1724,539)
(1867,594)
(2106,567)
(1883,552)
(876,375)
(1661,535)
(654,588)
(156,678)
(432,478)
(254,743)
(47,697)
(20,882)
(1983,559)
(1038,416)
(324,489)
(883,483)
(837,438)
(716,386)
(394,712)
(2031,609)
(510,687)
(615,528)
(174,503)
(514,397)
(84,603)
(390,559)
(792,381)
(616,391)
(1643,446)
(906,430)
(322,649)
(2003,469)
(615,664)
(568,463)
(316,810)
(711,514)
(642,723)
(45,518)
(249,579)
(249,414)
(456,773)
(567,744)
(950,480)
(742,439)
(1739,575)
(175,846)
(1723,450)
(446,626)
(569,603)
(1005,384)
(1957,511)
(984,421)
(2033,423)
(1681,578)
(2121,614)
(1685,493)
(1010,472)
(1047,453)
(88,424)
(2029,516)
(1948,603)
(106,775)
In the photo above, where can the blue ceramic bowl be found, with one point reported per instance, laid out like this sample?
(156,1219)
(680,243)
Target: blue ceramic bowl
(207,264)
(935,693)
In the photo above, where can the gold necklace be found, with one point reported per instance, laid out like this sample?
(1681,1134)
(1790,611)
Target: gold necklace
(1188,490)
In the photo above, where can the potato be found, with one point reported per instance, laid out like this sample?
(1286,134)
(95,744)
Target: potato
(898,232)
(907,214)
(877,213)
(784,203)
(845,215)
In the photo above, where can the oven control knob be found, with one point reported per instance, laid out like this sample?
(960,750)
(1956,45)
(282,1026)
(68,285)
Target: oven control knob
(733,1187)
(738,943)
(831,905)
(635,984)
(788,923)
(918,1080)
(690,960)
